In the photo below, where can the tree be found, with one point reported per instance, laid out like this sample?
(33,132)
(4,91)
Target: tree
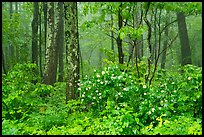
(72,49)
(119,40)
(3,61)
(184,41)
(40,42)
(50,67)
(166,32)
(45,23)
(60,41)
(35,33)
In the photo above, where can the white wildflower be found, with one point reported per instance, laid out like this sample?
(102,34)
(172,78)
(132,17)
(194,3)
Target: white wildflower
(162,91)
(145,93)
(166,100)
(96,91)
(119,77)
(82,99)
(98,80)
(98,76)
(89,82)
(153,109)
(100,97)
(123,73)
(103,72)
(124,89)
(172,83)
(79,88)
(159,108)
(130,76)
(175,91)
(94,97)
(119,93)
(144,86)
(142,102)
(83,95)
(101,82)
(189,78)
(94,70)
(161,101)
(86,88)
(149,112)
(99,94)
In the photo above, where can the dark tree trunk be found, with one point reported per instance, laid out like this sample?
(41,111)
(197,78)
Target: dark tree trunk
(72,49)
(40,44)
(45,23)
(112,34)
(119,40)
(35,34)
(184,41)
(166,31)
(16,6)
(60,41)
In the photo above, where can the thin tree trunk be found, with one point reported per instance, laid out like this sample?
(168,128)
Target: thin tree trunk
(119,40)
(112,33)
(184,41)
(61,41)
(35,34)
(40,43)
(166,31)
(3,62)
(45,24)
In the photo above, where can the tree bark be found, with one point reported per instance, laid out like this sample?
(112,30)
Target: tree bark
(50,71)
(3,62)
(45,23)
(60,41)
(40,43)
(112,33)
(119,40)
(166,31)
(184,41)
(35,34)
(72,49)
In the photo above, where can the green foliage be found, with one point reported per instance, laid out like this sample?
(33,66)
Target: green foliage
(17,85)
(110,84)
(179,126)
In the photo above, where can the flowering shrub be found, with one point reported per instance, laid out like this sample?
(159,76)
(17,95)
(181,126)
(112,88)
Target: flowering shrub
(109,84)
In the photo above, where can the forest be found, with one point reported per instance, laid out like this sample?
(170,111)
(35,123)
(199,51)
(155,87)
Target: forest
(101,68)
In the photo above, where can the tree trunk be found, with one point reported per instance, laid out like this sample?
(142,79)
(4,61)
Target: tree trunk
(112,33)
(35,34)
(3,62)
(72,44)
(184,41)
(16,45)
(45,23)
(40,43)
(119,40)
(50,71)
(60,41)
(166,31)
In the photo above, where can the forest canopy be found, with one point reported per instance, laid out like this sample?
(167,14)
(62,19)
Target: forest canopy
(101,68)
